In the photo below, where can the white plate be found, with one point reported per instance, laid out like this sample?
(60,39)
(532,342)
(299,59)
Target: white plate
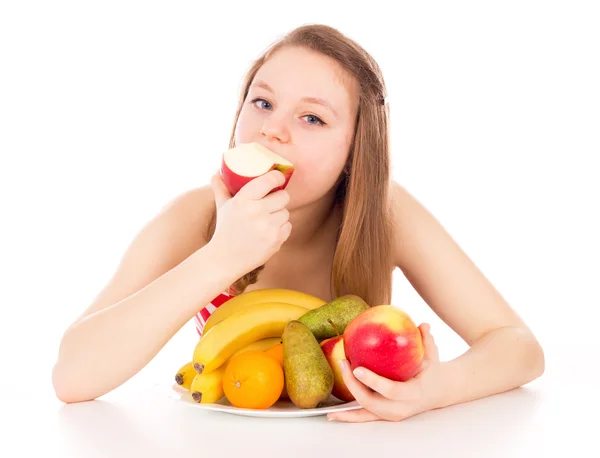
(281,409)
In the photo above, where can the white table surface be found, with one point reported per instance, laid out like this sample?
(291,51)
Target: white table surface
(136,420)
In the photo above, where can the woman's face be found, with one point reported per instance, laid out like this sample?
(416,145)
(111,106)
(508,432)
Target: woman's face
(302,105)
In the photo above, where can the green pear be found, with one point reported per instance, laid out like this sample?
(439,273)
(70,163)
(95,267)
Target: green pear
(308,376)
(330,320)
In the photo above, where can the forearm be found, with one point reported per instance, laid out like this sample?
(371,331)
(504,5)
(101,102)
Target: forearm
(500,361)
(105,349)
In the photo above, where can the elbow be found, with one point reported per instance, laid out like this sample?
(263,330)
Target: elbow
(539,360)
(67,385)
(535,360)
(66,391)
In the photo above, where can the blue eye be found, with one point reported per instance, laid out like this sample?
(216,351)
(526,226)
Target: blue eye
(261,100)
(317,122)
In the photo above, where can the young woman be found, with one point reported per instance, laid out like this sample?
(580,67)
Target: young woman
(341,227)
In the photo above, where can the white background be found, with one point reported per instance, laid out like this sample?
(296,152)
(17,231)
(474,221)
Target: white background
(110,109)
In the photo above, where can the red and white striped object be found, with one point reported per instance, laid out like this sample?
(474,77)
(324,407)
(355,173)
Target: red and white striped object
(202,316)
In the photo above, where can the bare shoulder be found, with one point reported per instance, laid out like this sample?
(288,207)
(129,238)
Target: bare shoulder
(172,235)
(176,231)
(405,209)
(186,216)
(415,228)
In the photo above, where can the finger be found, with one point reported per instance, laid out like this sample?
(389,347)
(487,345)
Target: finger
(280,218)
(353,416)
(261,186)
(361,393)
(390,389)
(285,231)
(276,201)
(220,191)
(430,349)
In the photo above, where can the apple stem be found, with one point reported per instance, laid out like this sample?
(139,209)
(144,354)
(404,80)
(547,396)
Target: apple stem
(334,326)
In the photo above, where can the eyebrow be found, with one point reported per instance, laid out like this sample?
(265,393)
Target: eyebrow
(314,100)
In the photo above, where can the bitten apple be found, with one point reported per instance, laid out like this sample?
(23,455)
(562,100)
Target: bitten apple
(385,340)
(251,160)
(334,352)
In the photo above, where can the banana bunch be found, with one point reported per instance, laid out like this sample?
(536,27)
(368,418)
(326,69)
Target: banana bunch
(208,387)
(251,321)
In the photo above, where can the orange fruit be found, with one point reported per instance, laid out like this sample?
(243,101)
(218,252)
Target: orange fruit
(253,380)
(276,352)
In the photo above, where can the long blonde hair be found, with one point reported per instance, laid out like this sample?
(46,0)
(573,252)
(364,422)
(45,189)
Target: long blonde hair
(362,263)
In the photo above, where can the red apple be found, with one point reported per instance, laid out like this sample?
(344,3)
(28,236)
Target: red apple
(251,160)
(385,340)
(334,351)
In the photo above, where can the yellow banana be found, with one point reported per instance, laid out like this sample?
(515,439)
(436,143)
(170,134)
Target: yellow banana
(260,321)
(185,375)
(261,296)
(262,345)
(208,388)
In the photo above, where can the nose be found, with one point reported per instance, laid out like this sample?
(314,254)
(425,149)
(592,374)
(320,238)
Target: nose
(274,129)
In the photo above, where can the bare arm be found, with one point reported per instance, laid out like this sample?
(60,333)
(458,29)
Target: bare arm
(166,276)
(501,360)
(503,353)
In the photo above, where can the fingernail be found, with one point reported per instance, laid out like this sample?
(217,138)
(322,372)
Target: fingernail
(342,364)
(359,373)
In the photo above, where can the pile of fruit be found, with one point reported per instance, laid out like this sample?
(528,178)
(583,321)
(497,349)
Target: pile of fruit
(271,344)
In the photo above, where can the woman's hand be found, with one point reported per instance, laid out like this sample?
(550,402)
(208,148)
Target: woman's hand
(252,225)
(391,400)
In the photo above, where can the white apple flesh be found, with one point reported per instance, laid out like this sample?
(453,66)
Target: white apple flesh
(248,161)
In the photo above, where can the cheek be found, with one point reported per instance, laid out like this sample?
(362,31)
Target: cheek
(317,171)
(322,161)
(246,128)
